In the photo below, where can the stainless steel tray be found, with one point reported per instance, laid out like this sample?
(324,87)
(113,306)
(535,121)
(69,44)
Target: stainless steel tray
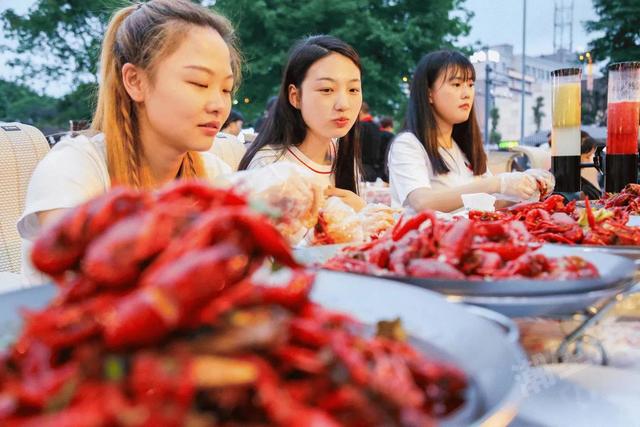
(528,297)
(477,343)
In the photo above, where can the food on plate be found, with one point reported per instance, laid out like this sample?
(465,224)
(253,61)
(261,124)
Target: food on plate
(554,221)
(423,246)
(628,199)
(339,223)
(167,316)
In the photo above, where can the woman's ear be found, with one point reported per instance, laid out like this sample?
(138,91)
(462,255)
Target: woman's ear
(134,81)
(294,96)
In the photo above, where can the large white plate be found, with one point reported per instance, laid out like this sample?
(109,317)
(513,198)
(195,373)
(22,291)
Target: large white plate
(480,347)
(581,395)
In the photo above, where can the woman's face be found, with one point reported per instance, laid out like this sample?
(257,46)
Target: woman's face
(452,96)
(329,97)
(189,98)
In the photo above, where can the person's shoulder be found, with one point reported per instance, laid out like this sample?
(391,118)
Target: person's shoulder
(214,165)
(92,145)
(223,136)
(407,139)
(265,156)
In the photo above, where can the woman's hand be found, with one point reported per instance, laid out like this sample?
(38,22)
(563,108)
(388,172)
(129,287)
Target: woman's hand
(348,197)
(517,184)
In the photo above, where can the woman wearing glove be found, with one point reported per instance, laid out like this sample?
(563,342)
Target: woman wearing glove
(319,101)
(440,156)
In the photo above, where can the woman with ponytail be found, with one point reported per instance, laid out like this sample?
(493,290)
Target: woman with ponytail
(168,71)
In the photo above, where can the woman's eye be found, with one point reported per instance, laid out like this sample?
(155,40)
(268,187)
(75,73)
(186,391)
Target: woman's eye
(355,90)
(326,90)
(199,85)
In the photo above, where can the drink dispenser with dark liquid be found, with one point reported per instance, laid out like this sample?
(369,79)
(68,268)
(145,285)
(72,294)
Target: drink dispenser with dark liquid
(565,131)
(623,115)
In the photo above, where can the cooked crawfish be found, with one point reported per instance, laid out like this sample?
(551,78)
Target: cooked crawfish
(166,319)
(463,249)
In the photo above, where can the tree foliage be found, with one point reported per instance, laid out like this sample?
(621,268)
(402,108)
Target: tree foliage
(538,114)
(494,135)
(57,38)
(390,36)
(619,23)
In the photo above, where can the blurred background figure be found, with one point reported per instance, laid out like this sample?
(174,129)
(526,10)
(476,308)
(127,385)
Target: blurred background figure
(386,136)
(233,125)
(228,144)
(370,136)
(590,177)
(262,119)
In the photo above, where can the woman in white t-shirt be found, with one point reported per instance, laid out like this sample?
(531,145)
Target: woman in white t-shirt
(440,156)
(313,122)
(168,70)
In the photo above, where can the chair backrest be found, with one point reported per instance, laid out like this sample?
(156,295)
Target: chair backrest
(21,148)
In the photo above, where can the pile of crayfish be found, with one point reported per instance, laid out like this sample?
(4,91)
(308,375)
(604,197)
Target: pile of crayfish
(628,199)
(554,221)
(423,246)
(166,316)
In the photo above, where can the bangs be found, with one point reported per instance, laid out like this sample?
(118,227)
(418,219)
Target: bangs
(459,69)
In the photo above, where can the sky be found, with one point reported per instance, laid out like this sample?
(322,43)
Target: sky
(494,22)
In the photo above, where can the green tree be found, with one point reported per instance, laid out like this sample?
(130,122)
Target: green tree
(64,34)
(19,103)
(538,114)
(619,23)
(390,36)
(494,135)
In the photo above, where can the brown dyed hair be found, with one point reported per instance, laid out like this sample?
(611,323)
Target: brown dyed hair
(143,34)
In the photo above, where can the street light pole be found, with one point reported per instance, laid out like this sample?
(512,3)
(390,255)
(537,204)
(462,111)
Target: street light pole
(524,28)
(487,103)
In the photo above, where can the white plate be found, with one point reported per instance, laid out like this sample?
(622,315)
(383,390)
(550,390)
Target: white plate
(634,220)
(479,346)
(582,395)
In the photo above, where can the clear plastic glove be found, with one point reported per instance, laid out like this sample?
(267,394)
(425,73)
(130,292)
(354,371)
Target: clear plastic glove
(546,178)
(348,197)
(287,188)
(518,184)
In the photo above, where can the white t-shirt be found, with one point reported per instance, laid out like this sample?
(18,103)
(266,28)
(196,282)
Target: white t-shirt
(74,171)
(272,153)
(410,168)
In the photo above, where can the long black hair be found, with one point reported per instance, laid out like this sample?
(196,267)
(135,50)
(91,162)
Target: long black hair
(285,126)
(420,117)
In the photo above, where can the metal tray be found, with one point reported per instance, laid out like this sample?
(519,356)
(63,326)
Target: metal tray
(476,343)
(631,252)
(614,271)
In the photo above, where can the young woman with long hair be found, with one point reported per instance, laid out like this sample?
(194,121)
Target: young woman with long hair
(440,155)
(314,120)
(168,71)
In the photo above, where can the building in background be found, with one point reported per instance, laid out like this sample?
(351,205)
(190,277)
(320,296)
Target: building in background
(505,87)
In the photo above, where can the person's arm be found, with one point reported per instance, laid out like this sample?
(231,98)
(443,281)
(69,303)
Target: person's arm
(449,199)
(519,185)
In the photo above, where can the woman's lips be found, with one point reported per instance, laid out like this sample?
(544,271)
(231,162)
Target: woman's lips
(210,128)
(341,122)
